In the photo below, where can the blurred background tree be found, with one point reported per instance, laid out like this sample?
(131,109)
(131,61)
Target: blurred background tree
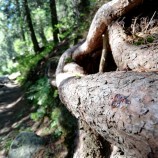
(27,27)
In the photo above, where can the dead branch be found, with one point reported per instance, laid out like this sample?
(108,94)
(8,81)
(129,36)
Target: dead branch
(103,59)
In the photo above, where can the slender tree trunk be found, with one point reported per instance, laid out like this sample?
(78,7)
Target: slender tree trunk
(30,25)
(54,19)
(20,23)
(41,33)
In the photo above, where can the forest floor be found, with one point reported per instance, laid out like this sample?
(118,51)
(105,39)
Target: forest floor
(14,115)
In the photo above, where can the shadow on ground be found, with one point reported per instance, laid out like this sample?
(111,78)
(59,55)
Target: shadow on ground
(14,114)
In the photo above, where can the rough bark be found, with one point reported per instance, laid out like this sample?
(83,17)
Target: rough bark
(126,55)
(120,106)
(104,16)
(133,124)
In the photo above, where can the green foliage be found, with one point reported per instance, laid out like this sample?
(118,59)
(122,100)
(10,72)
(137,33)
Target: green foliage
(20,47)
(25,63)
(43,97)
(47,103)
(46,100)
(150,39)
(48,32)
(139,41)
(16,43)
(55,115)
(7,144)
(145,40)
(17,55)
(55,122)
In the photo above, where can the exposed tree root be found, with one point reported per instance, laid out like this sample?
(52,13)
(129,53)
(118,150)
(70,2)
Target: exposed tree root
(120,106)
(104,16)
(129,56)
(132,125)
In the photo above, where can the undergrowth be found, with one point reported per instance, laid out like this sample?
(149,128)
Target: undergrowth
(29,62)
(61,123)
(44,97)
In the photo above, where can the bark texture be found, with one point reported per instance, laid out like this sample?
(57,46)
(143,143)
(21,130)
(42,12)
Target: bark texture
(66,55)
(129,122)
(137,58)
(104,16)
(122,107)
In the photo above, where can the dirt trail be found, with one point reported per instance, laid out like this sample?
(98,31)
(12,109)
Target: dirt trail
(14,115)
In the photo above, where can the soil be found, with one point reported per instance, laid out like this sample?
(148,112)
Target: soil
(14,115)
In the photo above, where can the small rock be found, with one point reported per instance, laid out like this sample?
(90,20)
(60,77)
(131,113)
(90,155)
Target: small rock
(25,145)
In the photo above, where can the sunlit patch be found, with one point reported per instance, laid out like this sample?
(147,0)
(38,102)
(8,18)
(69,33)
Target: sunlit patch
(5,107)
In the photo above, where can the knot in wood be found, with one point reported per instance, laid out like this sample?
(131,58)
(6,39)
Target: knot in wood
(120,101)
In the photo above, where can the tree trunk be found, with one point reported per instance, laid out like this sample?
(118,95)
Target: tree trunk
(137,58)
(30,25)
(20,23)
(54,19)
(120,106)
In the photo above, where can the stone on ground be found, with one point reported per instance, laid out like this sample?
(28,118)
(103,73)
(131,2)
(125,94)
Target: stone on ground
(25,145)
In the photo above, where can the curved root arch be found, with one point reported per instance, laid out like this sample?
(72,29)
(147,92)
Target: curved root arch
(104,16)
